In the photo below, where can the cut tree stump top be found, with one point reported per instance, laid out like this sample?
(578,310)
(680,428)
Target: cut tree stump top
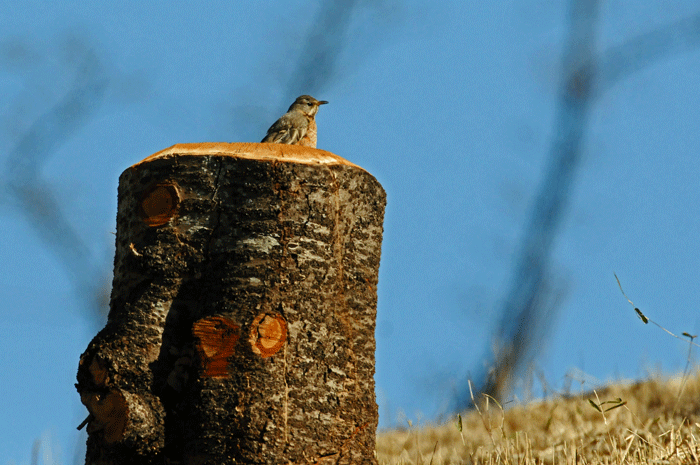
(253,151)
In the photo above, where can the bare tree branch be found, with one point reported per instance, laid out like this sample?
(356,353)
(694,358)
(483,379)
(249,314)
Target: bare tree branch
(317,62)
(646,49)
(35,198)
(524,317)
(522,313)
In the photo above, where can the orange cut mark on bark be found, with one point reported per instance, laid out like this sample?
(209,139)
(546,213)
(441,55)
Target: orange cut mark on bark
(216,341)
(159,204)
(268,333)
(109,413)
(99,373)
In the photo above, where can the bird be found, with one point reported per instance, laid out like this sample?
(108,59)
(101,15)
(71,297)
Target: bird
(298,125)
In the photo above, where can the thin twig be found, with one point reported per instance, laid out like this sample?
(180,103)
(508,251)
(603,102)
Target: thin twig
(686,370)
(646,319)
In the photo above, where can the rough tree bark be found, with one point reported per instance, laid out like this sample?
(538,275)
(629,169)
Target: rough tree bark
(242,316)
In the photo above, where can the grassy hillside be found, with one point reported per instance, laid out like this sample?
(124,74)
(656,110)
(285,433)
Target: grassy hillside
(644,423)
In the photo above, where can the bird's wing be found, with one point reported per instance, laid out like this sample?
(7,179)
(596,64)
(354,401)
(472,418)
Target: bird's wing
(289,129)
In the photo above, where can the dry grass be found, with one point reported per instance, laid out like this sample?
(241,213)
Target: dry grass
(647,423)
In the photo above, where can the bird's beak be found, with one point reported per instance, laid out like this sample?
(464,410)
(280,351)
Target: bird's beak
(322,102)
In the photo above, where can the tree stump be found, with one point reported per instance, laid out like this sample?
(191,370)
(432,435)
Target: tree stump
(242,315)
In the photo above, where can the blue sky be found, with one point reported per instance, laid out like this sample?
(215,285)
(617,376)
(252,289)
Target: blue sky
(450,106)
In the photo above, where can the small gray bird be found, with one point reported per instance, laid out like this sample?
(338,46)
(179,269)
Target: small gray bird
(298,125)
